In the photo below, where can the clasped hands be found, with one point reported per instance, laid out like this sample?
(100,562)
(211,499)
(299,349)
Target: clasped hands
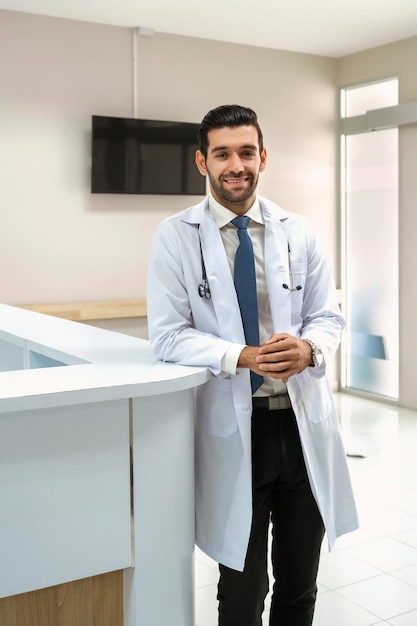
(280,357)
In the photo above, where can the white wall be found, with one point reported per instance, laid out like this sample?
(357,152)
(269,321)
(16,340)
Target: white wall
(60,243)
(398,59)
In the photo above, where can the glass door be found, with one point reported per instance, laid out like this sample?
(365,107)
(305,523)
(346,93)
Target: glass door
(370,247)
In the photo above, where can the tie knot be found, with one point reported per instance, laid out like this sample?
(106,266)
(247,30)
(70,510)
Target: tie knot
(241,221)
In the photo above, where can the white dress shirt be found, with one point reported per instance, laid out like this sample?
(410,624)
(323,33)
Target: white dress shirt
(256,230)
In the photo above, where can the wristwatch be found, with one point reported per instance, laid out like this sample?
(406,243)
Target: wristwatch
(316,353)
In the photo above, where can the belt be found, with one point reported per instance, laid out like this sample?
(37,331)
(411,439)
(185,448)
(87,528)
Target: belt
(272,403)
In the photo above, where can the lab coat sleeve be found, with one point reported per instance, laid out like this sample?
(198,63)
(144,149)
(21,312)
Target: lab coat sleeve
(174,272)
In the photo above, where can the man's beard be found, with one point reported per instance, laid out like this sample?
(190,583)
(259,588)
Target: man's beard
(238,195)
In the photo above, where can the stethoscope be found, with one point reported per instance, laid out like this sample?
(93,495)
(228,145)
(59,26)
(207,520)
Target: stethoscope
(204,287)
(291,287)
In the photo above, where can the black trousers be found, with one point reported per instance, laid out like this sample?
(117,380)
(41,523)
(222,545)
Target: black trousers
(282,495)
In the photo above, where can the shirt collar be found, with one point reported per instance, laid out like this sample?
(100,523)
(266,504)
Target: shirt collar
(223,216)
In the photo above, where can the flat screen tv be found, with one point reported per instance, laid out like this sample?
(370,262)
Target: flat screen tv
(138,156)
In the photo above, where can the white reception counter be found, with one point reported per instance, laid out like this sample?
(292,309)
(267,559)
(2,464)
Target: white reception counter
(96,464)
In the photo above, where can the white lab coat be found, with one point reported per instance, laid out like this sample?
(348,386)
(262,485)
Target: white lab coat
(185,328)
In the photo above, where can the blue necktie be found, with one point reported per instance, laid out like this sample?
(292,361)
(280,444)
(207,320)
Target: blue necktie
(245,284)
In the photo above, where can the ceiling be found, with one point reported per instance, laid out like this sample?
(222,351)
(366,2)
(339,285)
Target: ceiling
(331,28)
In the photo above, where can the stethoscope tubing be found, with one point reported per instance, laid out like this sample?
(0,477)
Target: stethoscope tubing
(204,287)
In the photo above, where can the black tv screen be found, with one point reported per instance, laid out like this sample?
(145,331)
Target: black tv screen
(131,155)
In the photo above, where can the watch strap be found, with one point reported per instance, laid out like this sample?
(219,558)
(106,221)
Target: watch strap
(315,353)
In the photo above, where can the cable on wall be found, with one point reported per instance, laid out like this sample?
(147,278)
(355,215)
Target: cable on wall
(143,31)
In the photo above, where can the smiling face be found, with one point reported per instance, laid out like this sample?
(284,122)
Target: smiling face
(232,165)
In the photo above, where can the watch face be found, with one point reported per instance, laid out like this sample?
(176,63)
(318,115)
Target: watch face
(318,358)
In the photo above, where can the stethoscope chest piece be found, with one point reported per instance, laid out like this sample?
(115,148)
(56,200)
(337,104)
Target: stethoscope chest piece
(204,289)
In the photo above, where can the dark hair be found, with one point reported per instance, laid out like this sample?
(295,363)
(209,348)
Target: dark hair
(227,115)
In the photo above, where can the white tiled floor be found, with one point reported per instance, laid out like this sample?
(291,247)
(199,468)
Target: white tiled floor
(370,578)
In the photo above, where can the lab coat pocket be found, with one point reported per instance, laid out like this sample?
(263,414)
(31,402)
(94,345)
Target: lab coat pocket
(215,409)
(311,397)
(298,272)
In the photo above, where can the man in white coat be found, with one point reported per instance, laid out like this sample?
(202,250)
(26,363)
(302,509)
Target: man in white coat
(268,455)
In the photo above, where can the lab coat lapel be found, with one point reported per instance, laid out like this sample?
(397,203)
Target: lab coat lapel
(276,266)
(220,280)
